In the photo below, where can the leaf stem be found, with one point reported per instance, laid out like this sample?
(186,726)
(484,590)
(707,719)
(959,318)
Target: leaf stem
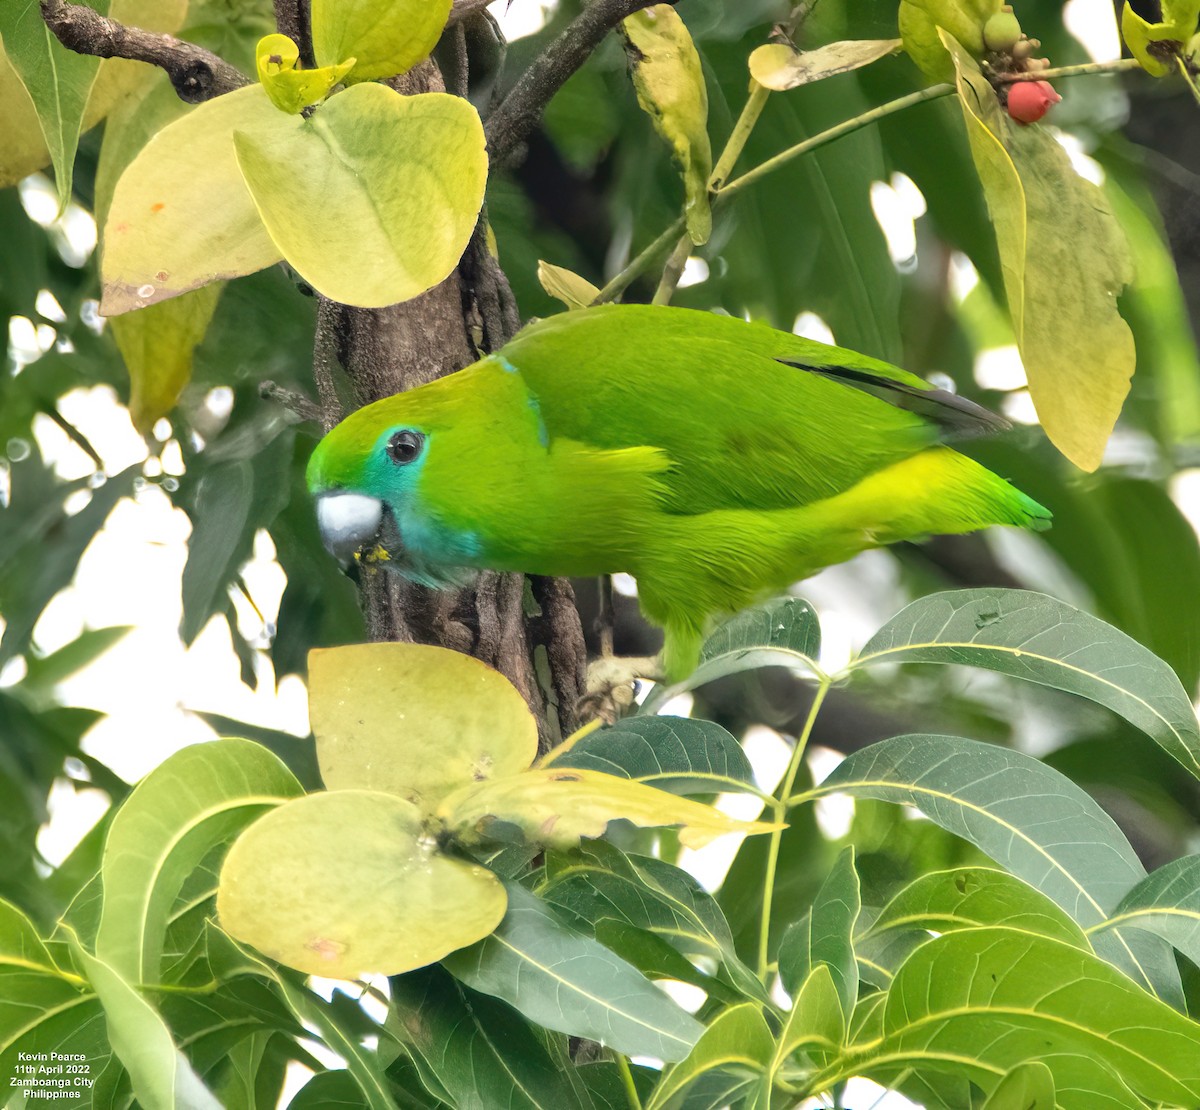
(1119,65)
(635,1102)
(640,264)
(781,807)
(673,270)
(739,136)
(832,134)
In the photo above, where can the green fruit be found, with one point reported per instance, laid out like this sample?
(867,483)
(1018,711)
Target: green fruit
(1002,32)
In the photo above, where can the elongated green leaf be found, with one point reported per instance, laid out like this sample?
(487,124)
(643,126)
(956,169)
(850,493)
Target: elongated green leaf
(361,223)
(46,671)
(738,1040)
(1028,1086)
(349,882)
(991,999)
(783,632)
(1167,903)
(201,797)
(679,754)
(967,897)
(1032,636)
(482,1053)
(1050,222)
(414,720)
(670,88)
(566,981)
(779,67)
(20,945)
(1030,819)
(599,883)
(826,935)
(384,37)
(817,1021)
(181,215)
(162,1077)
(556,807)
(58,80)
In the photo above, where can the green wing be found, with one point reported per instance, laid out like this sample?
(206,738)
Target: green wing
(750,417)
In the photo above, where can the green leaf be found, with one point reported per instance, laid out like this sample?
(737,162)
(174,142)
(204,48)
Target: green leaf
(991,999)
(1156,45)
(327,1091)
(568,982)
(181,215)
(349,882)
(777,66)
(967,897)
(1028,1086)
(58,80)
(383,37)
(1166,903)
(157,343)
(292,89)
(817,1021)
(670,88)
(920,21)
(1036,638)
(781,633)
(1030,819)
(599,883)
(679,754)
(563,285)
(361,224)
(826,935)
(415,721)
(198,798)
(556,807)
(1065,259)
(482,1053)
(737,1040)
(44,672)
(162,1077)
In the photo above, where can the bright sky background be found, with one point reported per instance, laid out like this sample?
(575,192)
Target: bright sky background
(150,687)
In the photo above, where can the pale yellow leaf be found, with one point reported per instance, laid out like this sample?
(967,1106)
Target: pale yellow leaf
(181,214)
(563,285)
(384,37)
(555,807)
(373,198)
(414,720)
(1065,259)
(348,882)
(670,88)
(779,67)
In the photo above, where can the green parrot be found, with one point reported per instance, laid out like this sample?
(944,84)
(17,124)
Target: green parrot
(716,461)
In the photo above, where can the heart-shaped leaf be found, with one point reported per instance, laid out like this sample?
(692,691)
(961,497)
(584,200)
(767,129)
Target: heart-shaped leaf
(348,882)
(414,720)
(374,197)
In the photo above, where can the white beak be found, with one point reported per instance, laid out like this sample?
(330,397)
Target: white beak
(347,521)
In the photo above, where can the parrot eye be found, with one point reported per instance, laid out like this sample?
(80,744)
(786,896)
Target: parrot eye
(404,447)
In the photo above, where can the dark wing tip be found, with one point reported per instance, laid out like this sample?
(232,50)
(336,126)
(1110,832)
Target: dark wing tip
(957,417)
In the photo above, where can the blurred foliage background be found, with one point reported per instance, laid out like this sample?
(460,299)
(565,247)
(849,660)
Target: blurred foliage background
(822,243)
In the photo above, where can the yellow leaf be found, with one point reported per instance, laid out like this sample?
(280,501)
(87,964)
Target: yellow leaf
(670,88)
(383,37)
(374,198)
(554,807)
(347,883)
(290,88)
(1064,258)
(414,720)
(181,215)
(157,344)
(1158,46)
(779,67)
(563,285)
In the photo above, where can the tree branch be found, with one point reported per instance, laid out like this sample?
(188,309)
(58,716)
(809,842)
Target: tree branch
(518,113)
(197,74)
(464,8)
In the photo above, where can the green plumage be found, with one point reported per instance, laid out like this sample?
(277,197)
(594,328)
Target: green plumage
(715,460)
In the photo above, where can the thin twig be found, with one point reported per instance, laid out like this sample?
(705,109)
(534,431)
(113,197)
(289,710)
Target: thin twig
(1118,65)
(196,74)
(673,270)
(518,113)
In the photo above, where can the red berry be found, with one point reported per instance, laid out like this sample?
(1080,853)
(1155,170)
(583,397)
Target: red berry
(1028,101)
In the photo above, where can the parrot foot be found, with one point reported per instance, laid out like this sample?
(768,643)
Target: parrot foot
(612,684)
